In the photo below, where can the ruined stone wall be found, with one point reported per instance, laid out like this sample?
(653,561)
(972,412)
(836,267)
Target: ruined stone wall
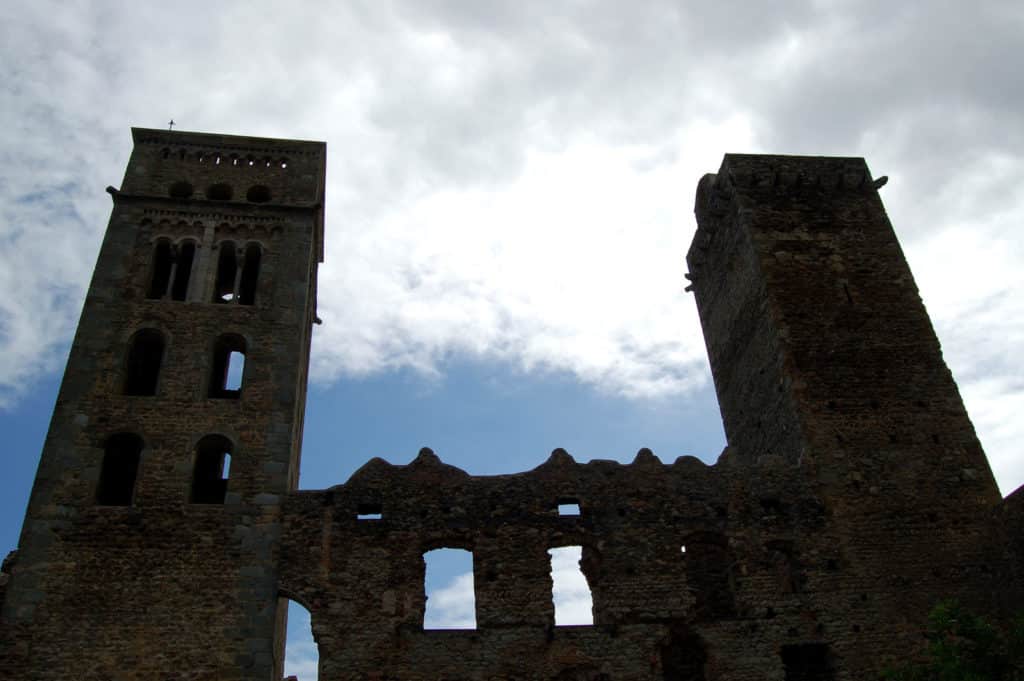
(752,579)
(168,585)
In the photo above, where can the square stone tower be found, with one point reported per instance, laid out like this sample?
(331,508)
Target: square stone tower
(149,546)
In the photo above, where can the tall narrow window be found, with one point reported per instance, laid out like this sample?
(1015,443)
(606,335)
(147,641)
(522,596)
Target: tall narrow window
(183,270)
(162,260)
(301,654)
(570,591)
(250,275)
(142,366)
(227,271)
(119,469)
(449,590)
(213,465)
(228,366)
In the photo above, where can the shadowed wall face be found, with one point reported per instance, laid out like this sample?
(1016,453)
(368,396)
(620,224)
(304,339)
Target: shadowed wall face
(820,347)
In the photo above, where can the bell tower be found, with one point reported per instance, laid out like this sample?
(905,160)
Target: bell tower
(150,541)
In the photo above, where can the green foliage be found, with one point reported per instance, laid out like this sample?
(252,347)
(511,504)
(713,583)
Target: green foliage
(965,647)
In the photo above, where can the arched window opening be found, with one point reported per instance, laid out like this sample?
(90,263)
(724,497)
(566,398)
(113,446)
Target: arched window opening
(568,507)
(162,261)
(250,274)
(183,270)
(210,477)
(142,370)
(228,366)
(219,191)
(258,193)
(227,274)
(180,190)
(301,655)
(570,591)
(119,470)
(449,590)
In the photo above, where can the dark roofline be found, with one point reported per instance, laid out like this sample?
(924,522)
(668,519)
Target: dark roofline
(145,135)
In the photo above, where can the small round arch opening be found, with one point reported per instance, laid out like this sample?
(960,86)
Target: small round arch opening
(258,193)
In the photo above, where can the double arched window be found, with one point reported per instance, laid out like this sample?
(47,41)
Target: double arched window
(172,269)
(238,272)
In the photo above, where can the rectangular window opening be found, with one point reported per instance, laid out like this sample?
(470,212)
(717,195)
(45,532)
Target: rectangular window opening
(449,590)
(570,591)
(569,507)
(369,512)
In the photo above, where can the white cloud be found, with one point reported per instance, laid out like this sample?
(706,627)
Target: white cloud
(453,606)
(576,265)
(301,654)
(301,661)
(571,593)
(974,276)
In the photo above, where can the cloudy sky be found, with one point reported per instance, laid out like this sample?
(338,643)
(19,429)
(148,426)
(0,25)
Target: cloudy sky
(510,191)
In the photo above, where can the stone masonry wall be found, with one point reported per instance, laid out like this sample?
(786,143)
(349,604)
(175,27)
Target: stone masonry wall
(754,576)
(811,317)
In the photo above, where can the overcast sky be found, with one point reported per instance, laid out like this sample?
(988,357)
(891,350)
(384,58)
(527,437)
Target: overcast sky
(511,184)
